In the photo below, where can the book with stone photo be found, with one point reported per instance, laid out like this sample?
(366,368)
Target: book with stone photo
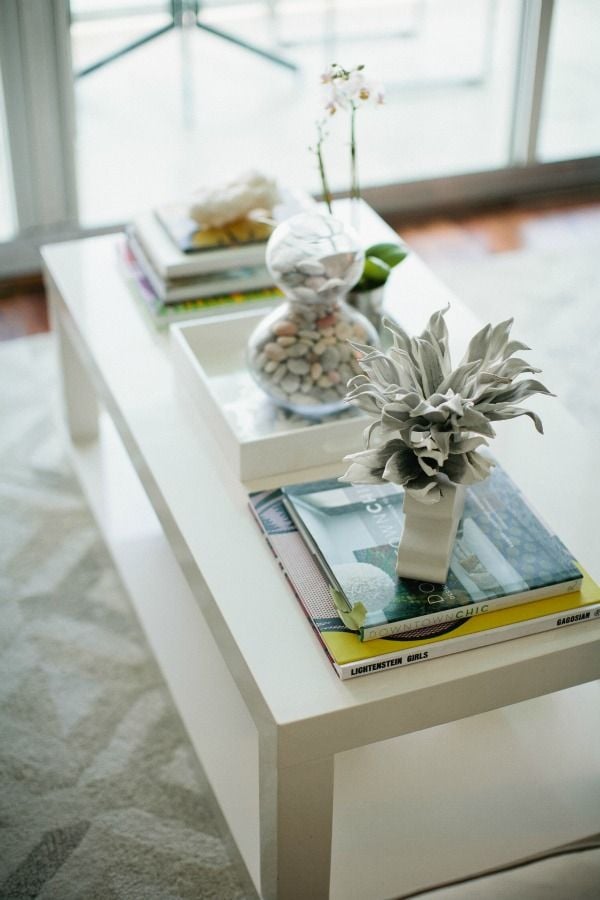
(503,554)
(351,657)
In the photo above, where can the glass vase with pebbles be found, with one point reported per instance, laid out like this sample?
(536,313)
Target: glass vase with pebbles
(302,353)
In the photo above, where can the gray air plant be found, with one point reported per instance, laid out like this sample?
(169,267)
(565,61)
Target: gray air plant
(430,419)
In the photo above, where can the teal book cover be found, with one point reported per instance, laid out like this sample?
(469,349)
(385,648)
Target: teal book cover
(503,553)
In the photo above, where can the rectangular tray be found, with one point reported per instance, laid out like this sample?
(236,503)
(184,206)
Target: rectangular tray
(258,438)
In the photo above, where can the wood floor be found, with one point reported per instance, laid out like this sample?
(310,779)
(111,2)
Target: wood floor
(475,235)
(470,236)
(23,308)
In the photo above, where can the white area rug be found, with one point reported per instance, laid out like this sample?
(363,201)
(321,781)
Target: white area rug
(554,298)
(101,795)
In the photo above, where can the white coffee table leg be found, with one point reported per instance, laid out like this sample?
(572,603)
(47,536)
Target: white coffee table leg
(81,405)
(296,820)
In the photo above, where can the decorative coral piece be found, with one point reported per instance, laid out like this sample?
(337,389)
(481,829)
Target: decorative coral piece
(215,207)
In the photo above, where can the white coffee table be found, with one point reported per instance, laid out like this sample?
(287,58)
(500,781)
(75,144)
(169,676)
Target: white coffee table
(360,789)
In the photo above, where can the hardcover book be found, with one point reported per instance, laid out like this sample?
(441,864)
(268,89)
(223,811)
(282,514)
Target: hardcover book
(195,287)
(163,314)
(176,248)
(190,238)
(169,262)
(255,228)
(503,554)
(351,657)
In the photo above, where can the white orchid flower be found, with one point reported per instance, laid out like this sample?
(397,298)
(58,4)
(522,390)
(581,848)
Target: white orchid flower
(345,89)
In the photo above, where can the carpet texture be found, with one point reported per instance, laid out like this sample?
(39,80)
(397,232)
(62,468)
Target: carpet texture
(554,297)
(100,793)
(101,797)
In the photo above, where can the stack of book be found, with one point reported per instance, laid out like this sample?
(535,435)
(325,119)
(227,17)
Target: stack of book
(510,576)
(182,271)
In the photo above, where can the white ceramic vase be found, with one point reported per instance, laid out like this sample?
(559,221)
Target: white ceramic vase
(428,535)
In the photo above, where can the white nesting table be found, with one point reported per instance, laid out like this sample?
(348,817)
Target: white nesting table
(361,789)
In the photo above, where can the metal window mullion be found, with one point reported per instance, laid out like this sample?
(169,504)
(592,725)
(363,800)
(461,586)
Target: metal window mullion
(19,143)
(36,64)
(530,77)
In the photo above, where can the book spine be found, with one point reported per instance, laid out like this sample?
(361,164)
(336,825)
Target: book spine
(297,594)
(164,314)
(422,652)
(170,263)
(439,617)
(206,287)
(136,278)
(145,242)
(144,267)
(250,281)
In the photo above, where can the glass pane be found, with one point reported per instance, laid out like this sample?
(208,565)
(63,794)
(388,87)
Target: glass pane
(100,28)
(192,106)
(7,209)
(570,124)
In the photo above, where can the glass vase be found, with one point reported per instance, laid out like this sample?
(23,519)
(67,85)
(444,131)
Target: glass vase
(370,304)
(301,354)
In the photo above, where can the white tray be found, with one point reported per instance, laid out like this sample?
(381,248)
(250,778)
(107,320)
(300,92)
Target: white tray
(258,438)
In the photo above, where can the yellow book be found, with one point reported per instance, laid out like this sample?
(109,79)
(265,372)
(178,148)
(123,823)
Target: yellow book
(351,657)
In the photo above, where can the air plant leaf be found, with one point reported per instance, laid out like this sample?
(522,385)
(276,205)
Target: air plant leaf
(430,420)
(437,325)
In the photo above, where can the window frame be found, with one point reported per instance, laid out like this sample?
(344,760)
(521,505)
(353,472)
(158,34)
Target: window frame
(35,60)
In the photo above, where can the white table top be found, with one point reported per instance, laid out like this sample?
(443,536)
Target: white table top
(262,632)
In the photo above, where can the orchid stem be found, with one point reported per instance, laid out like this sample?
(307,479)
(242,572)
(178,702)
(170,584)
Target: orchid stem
(354,186)
(321,163)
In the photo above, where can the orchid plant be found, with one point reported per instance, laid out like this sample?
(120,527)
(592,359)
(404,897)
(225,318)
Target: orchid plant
(431,420)
(345,90)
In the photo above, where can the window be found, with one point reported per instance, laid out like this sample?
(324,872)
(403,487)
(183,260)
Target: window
(190,106)
(7,217)
(113,106)
(570,126)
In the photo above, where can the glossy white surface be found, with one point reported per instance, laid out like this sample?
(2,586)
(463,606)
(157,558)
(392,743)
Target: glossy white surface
(204,506)
(302,713)
(474,794)
(259,438)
